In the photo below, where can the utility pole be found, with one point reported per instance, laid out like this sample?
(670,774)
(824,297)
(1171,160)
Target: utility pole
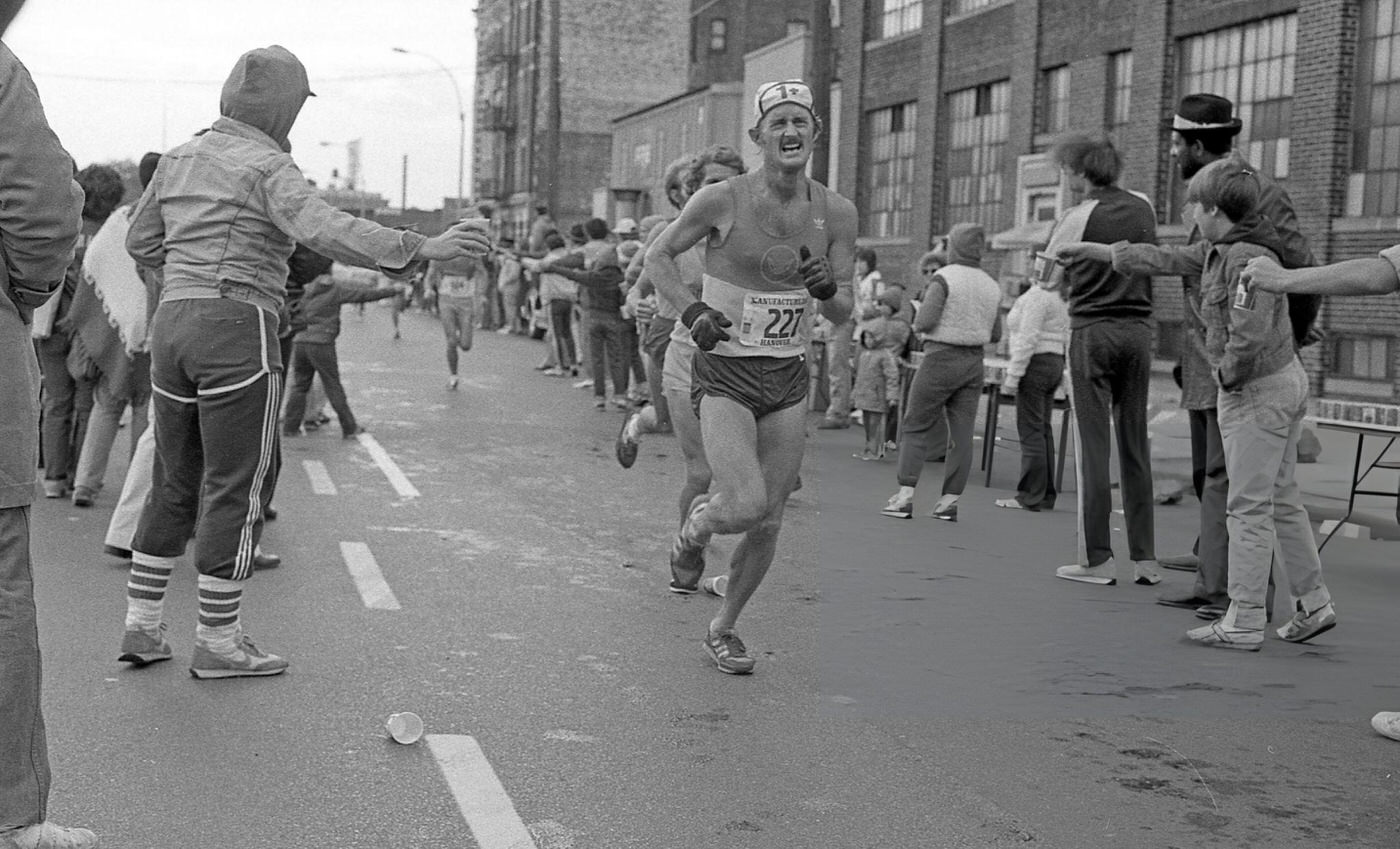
(403,185)
(820,78)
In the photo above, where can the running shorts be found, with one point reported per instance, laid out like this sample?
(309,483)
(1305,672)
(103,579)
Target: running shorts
(762,385)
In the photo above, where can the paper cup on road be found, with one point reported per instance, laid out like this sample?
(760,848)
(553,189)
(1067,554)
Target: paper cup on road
(404,727)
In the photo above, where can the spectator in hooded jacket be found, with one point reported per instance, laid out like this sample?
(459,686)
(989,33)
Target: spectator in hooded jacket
(313,348)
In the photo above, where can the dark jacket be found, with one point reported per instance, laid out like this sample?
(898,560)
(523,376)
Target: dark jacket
(1096,290)
(320,306)
(600,286)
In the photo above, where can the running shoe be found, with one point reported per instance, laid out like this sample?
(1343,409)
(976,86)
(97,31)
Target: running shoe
(1187,562)
(687,565)
(1304,626)
(83,497)
(898,508)
(715,585)
(1105,573)
(1010,504)
(554,372)
(946,514)
(246,660)
(625,447)
(729,653)
(452,381)
(46,835)
(141,647)
(1145,573)
(586,383)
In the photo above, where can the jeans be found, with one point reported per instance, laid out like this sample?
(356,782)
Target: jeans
(607,347)
(947,383)
(1035,407)
(310,359)
(1260,425)
(109,402)
(67,403)
(1110,372)
(838,372)
(1213,544)
(561,320)
(24,751)
(121,528)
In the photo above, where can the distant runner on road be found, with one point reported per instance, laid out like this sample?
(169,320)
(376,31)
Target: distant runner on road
(775,241)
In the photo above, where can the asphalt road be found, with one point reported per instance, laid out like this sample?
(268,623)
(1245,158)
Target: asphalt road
(919,683)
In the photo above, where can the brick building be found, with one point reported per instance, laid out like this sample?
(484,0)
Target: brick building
(551,75)
(951,104)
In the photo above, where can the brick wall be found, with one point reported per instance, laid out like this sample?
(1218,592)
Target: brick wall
(1191,17)
(1070,27)
(979,48)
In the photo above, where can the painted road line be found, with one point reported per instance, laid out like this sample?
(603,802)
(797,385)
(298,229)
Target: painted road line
(364,569)
(397,479)
(321,482)
(482,800)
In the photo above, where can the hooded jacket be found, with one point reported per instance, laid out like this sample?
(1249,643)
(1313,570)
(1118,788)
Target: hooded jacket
(321,302)
(877,372)
(223,210)
(1244,344)
(962,304)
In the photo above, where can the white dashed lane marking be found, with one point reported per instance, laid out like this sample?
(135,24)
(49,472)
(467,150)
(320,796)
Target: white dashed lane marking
(482,799)
(321,482)
(397,479)
(364,569)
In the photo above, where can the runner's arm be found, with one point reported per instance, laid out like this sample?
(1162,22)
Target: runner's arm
(708,209)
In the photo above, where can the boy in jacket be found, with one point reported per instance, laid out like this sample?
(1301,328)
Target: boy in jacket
(313,347)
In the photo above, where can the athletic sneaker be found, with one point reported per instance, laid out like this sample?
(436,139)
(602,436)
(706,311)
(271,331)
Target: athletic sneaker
(246,660)
(600,403)
(554,372)
(1221,634)
(46,835)
(1304,626)
(625,447)
(1105,573)
(1187,562)
(140,647)
(1145,573)
(729,653)
(83,497)
(1387,724)
(452,381)
(586,383)
(687,565)
(946,514)
(898,508)
(715,585)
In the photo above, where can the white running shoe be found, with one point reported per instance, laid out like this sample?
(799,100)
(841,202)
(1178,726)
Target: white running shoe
(1105,573)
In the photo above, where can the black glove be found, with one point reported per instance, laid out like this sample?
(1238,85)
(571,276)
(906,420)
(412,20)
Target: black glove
(706,325)
(816,275)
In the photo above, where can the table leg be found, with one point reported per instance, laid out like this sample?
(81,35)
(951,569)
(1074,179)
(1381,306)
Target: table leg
(1351,493)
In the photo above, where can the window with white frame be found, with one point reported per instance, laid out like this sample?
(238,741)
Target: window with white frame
(1053,115)
(900,16)
(1120,96)
(889,178)
(979,119)
(1252,65)
(1362,358)
(1373,188)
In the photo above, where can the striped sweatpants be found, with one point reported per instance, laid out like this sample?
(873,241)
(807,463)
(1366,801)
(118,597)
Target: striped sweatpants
(216,375)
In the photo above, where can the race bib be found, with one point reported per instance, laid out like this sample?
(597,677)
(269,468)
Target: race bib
(773,319)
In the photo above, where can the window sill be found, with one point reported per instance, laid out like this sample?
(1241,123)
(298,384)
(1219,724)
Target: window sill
(952,19)
(894,39)
(1332,385)
(1366,225)
(883,241)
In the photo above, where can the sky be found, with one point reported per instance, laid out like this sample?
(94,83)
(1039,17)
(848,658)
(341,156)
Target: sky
(121,77)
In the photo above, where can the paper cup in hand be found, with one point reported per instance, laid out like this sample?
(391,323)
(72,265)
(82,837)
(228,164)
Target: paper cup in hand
(1044,270)
(404,727)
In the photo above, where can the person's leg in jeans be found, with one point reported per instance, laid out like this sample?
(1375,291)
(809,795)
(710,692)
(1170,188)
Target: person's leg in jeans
(303,371)
(1296,544)
(59,388)
(137,485)
(327,365)
(598,352)
(582,336)
(927,396)
(960,409)
(1131,380)
(108,406)
(620,354)
(1212,575)
(24,751)
(838,371)
(1035,403)
(1092,404)
(561,326)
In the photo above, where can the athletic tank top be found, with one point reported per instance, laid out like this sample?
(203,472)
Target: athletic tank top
(751,276)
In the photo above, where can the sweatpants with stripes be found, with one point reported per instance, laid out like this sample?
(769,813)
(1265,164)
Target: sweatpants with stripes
(216,377)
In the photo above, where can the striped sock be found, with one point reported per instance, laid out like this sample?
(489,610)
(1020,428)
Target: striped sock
(218,613)
(145,590)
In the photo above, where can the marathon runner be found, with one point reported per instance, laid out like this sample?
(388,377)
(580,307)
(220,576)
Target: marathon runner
(775,241)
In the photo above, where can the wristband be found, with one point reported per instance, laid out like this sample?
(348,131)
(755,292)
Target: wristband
(693,312)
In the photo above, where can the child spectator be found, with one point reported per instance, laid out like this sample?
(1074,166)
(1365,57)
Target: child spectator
(877,382)
(313,348)
(1039,332)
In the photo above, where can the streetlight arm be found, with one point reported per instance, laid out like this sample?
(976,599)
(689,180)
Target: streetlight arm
(461,116)
(456,89)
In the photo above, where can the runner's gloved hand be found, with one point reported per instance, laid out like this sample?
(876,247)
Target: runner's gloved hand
(816,274)
(706,325)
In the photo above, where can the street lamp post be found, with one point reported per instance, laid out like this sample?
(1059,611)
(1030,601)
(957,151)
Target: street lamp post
(461,117)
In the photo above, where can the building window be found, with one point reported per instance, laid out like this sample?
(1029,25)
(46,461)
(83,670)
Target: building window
(1361,358)
(1120,96)
(1054,101)
(889,182)
(1374,185)
(796,27)
(1252,65)
(962,7)
(900,16)
(976,148)
(719,35)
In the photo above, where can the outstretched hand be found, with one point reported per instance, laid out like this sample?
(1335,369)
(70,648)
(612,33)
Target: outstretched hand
(1070,251)
(467,238)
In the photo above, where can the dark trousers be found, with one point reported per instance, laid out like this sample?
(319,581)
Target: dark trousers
(607,350)
(1110,371)
(216,373)
(1213,544)
(561,330)
(67,405)
(1035,407)
(947,384)
(308,360)
(24,750)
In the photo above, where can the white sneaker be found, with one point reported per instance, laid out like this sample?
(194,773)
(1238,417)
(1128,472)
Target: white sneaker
(1105,573)
(46,835)
(452,381)
(1222,634)
(586,383)
(1387,724)
(1145,573)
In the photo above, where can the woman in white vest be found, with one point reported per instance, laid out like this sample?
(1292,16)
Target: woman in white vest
(959,316)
